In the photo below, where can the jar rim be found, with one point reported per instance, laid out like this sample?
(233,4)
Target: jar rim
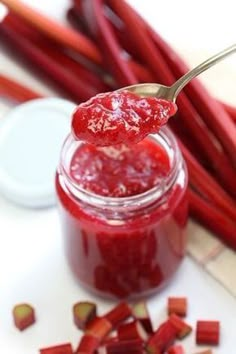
(156,192)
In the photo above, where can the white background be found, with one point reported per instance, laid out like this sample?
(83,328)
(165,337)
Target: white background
(32,266)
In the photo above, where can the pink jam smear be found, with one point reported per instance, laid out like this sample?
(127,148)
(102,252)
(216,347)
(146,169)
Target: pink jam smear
(120,171)
(120,118)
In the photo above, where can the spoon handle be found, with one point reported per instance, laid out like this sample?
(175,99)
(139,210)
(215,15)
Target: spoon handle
(184,80)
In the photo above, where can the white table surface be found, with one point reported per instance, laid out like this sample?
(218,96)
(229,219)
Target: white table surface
(32,265)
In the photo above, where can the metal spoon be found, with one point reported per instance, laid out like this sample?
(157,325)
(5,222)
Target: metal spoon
(171,92)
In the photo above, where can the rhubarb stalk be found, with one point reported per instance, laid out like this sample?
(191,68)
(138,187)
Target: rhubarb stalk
(102,30)
(187,112)
(61,34)
(209,216)
(55,52)
(213,113)
(230,110)
(205,184)
(15,91)
(79,90)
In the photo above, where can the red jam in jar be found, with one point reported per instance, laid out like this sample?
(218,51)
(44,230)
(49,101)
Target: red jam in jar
(124,211)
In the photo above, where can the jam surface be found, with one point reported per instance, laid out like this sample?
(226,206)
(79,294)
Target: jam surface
(120,171)
(120,118)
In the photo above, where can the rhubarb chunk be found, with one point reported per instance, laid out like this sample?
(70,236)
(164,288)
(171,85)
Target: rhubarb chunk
(177,305)
(208,351)
(118,314)
(181,327)
(125,347)
(176,349)
(140,312)
(132,330)
(162,339)
(99,328)
(24,316)
(59,349)
(208,332)
(88,344)
(83,313)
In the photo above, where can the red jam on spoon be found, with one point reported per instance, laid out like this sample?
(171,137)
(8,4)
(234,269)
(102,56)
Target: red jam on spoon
(120,117)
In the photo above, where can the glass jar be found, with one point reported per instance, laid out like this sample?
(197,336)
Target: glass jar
(130,246)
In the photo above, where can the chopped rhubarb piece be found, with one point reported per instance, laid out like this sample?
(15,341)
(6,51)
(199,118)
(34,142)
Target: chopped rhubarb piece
(118,314)
(132,330)
(140,312)
(99,327)
(162,339)
(125,346)
(109,340)
(182,328)
(88,344)
(208,332)
(24,316)
(83,313)
(177,305)
(59,349)
(208,351)
(120,117)
(176,349)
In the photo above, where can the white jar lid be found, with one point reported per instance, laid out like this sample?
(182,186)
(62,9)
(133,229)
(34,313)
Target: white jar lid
(31,137)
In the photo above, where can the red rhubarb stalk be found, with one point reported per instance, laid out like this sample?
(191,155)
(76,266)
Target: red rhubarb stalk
(13,90)
(188,115)
(213,113)
(55,53)
(231,110)
(77,89)
(102,30)
(207,186)
(61,34)
(212,218)
(77,21)
(141,72)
